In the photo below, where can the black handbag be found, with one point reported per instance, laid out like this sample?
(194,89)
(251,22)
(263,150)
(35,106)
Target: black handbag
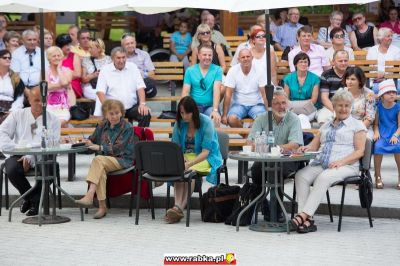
(78,113)
(217,204)
(93,81)
(167,114)
(365,190)
(248,193)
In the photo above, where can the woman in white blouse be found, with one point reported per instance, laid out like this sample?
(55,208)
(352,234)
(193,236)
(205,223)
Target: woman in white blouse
(11,87)
(91,67)
(341,143)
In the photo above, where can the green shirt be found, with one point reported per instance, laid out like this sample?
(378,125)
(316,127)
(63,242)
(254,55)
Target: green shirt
(288,130)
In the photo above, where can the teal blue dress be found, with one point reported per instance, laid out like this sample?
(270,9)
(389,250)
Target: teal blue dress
(205,138)
(297,92)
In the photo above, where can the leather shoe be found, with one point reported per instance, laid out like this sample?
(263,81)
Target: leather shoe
(25,206)
(99,214)
(34,210)
(84,202)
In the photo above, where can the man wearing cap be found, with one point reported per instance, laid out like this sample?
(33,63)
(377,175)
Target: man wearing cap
(143,61)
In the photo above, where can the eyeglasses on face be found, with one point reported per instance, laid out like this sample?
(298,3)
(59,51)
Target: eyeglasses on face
(261,36)
(339,36)
(357,18)
(6,57)
(204,33)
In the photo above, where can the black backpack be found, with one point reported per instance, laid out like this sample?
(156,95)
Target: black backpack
(217,204)
(248,193)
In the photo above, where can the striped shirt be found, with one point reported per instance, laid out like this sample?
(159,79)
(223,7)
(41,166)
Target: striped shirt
(330,82)
(344,140)
(288,130)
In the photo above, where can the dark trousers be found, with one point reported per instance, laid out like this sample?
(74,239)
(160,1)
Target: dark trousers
(16,175)
(133,114)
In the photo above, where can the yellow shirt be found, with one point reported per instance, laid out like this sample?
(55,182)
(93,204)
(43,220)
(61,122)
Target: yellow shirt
(79,51)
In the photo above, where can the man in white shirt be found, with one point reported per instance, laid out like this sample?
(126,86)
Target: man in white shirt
(318,59)
(26,59)
(24,126)
(122,81)
(245,82)
(143,61)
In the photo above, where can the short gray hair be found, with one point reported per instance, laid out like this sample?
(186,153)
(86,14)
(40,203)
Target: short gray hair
(335,13)
(25,33)
(342,95)
(382,32)
(279,91)
(116,50)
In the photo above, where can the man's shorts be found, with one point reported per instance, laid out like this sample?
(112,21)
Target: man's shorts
(242,111)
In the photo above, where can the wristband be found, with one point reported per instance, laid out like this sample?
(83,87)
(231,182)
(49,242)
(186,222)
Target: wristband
(143,103)
(395,135)
(215,110)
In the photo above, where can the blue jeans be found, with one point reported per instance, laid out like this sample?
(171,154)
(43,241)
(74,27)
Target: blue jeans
(206,110)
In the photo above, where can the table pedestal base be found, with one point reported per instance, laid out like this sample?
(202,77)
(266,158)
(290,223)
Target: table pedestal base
(272,227)
(47,219)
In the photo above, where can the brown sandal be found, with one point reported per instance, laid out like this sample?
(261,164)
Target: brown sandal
(174,215)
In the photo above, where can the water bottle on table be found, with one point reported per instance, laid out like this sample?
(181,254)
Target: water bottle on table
(271,140)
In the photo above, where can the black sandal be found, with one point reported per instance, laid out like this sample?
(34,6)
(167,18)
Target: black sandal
(304,228)
(295,225)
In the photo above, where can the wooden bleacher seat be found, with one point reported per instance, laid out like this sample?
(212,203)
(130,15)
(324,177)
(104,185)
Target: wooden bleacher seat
(102,23)
(20,26)
(360,55)
(368,66)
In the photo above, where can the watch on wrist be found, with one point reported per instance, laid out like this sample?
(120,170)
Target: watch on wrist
(143,103)
(215,110)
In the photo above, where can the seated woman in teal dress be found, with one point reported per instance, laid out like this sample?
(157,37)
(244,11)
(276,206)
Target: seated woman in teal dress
(196,135)
(302,87)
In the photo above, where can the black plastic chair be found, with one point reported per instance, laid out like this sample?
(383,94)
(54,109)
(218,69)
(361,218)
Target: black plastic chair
(365,165)
(3,175)
(223,140)
(161,161)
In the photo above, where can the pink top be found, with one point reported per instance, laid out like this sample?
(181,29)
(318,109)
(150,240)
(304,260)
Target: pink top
(75,83)
(394,27)
(318,58)
(57,98)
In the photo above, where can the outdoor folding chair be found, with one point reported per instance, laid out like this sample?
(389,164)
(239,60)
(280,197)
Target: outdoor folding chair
(365,165)
(161,161)
(223,140)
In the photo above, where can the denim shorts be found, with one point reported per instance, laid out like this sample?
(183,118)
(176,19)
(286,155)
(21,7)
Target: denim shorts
(205,110)
(242,111)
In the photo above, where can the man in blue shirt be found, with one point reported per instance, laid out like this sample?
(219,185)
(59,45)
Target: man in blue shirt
(286,34)
(203,83)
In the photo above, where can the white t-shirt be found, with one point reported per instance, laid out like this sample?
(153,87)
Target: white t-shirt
(330,51)
(393,53)
(246,88)
(119,84)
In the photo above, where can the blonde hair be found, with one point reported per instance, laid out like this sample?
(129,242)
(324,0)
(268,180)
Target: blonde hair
(112,104)
(98,43)
(201,27)
(52,50)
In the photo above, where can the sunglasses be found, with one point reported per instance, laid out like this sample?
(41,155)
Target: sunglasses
(34,126)
(262,36)
(30,59)
(339,36)
(357,18)
(6,57)
(202,84)
(204,33)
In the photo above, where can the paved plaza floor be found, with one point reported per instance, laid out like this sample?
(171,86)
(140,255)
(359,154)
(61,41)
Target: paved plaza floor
(115,240)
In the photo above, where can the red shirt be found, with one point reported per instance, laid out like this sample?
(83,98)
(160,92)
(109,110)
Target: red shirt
(394,27)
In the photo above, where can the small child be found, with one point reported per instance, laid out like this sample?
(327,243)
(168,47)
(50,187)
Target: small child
(386,129)
(180,45)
